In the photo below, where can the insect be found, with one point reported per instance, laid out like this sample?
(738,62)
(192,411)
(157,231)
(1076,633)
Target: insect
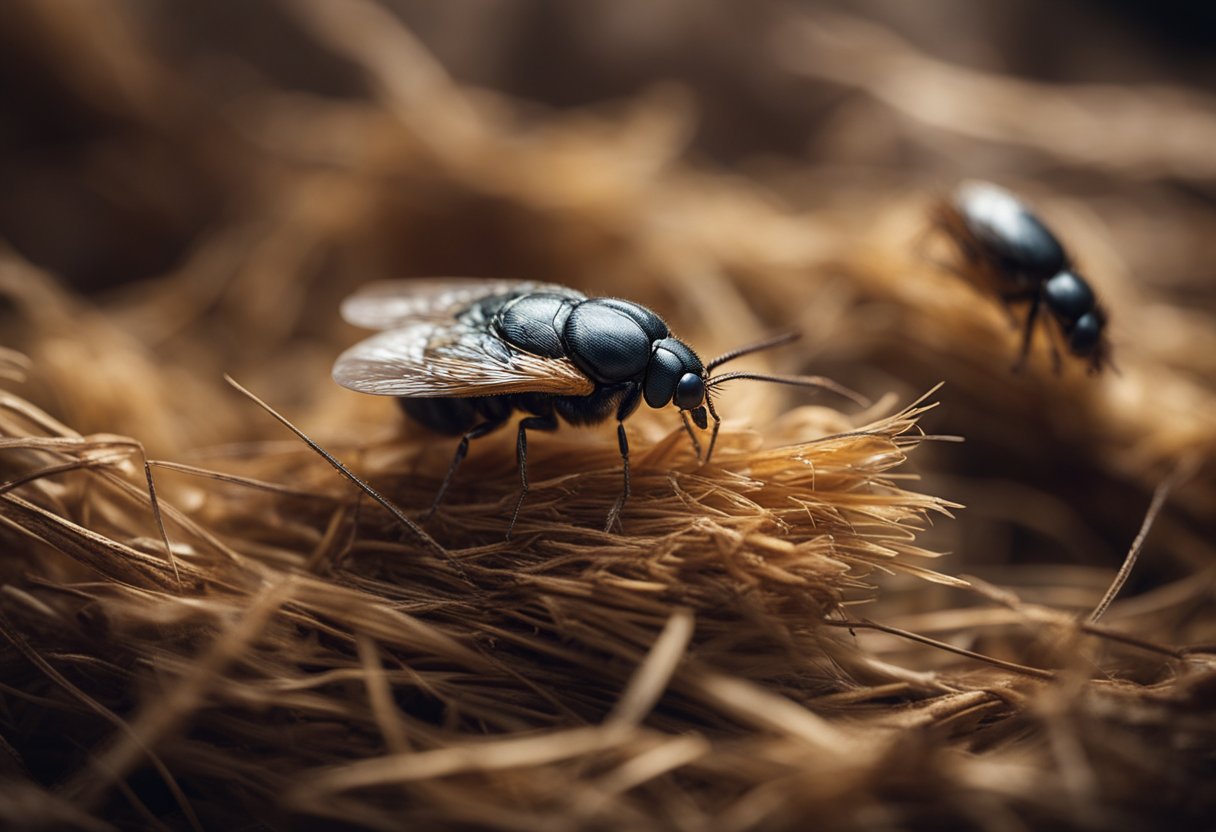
(1005,246)
(465,355)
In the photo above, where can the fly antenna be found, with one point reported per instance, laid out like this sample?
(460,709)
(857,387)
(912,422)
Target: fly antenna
(409,524)
(759,346)
(794,381)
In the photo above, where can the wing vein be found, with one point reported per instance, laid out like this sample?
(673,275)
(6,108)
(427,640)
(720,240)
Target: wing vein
(430,349)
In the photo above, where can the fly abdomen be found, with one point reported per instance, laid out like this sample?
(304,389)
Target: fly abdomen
(455,416)
(442,415)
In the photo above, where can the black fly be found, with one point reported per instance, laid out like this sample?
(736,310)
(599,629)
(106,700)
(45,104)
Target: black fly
(1006,247)
(464,355)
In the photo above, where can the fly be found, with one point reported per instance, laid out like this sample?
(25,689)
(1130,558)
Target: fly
(464,355)
(1007,248)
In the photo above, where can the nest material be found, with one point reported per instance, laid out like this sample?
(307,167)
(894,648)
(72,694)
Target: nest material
(203,625)
(297,620)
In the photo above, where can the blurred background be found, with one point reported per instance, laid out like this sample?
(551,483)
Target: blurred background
(190,189)
(130,125)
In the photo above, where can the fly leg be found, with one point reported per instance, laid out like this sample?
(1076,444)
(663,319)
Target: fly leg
(1016,296)
(1028,332)
(1054,338)
(627,406)
(476,432)
(547,421)
(696,444)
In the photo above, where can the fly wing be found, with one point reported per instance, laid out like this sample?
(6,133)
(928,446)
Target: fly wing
(426,359)
(393,303)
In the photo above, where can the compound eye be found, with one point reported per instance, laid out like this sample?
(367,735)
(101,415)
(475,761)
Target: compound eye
(1085,334)
(690,391)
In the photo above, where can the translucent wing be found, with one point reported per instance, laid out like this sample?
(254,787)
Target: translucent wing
(391,303)
(437,349)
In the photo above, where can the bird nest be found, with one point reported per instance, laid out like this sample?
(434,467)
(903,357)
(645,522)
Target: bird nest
(203,624)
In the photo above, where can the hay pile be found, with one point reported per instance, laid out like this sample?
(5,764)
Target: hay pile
(202,625)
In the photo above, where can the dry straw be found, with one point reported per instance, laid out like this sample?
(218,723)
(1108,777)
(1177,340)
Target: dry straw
(202,624)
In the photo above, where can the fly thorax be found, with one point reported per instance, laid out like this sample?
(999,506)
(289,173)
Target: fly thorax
(612,340)
(1069,296)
